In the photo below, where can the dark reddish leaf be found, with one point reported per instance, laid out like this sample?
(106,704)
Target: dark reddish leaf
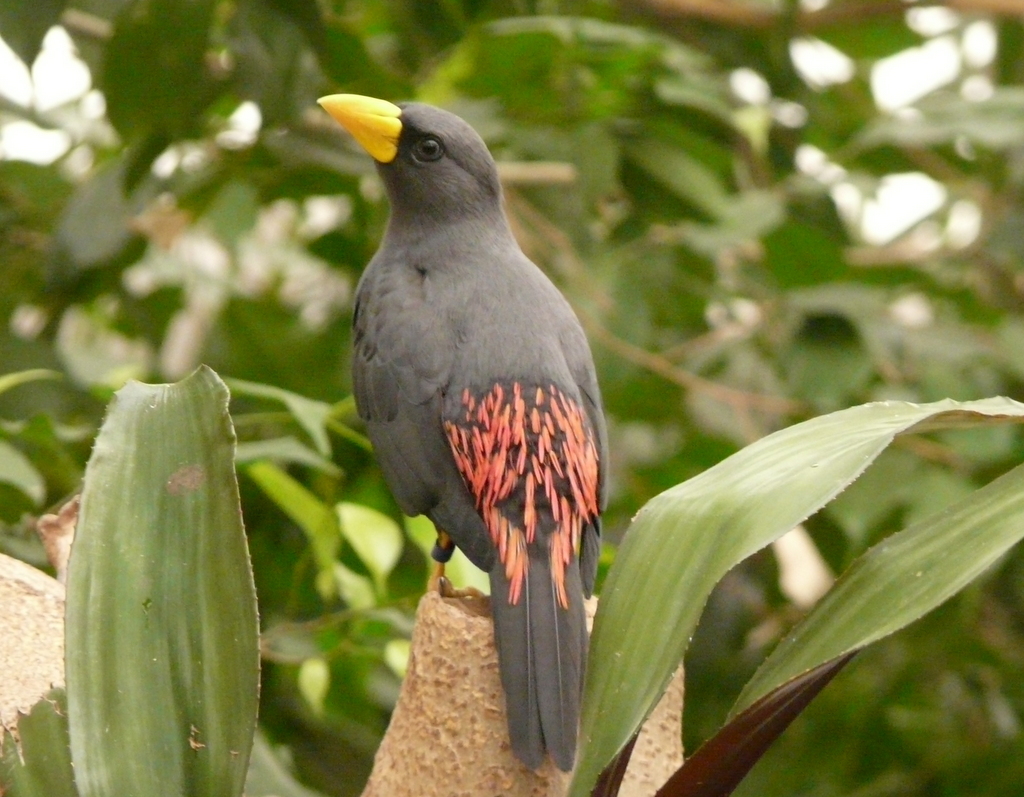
(611,779)
(717,768)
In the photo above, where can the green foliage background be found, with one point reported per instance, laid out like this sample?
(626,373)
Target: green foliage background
(726,292)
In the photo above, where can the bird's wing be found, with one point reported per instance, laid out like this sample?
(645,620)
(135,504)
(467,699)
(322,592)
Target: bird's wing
(401,368)
(398,373)
(581,365)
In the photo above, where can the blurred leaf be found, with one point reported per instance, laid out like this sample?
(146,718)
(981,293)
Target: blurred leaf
(311,415)
(314,682)
(422,532)
(39,763)
(681,173)
(376,539)
(312,515)
(742,219)
(233,211)
(94,226)
(875,37)
(24,23)
(356,590)
(945,117)
(11,381)
(684,540)
(346,59)
(827,363)
(801,253)
(18,471)
(396,656)
(154,40)
(899,580)
(307,16)
(701,96)
(724,760)
(459,570)
(286,450)
(162,656)
(95,353)
(267,775)
(33,186)
(274,64)
(553,69)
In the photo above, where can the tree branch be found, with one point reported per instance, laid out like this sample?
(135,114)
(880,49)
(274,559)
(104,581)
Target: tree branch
(749,15)
(448,733)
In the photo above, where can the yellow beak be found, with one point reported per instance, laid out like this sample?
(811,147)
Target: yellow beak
(374,123)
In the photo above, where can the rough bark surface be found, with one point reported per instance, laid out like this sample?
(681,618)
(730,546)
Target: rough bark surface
(31,636)
(448,738)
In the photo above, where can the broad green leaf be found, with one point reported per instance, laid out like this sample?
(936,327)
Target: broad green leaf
(162,653)
(311,514)
(39,764)
(900,580)
(683,541)
(285,449)
(376,539)
(18,471)
(13,380)
(311,415)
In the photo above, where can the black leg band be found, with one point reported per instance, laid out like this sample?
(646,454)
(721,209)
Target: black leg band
(441,554)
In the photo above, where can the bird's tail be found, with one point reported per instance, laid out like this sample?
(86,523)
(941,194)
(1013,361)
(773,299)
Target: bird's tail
(542,654)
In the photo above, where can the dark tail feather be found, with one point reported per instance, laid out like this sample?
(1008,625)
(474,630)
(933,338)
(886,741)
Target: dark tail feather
(542,653)
(590,553)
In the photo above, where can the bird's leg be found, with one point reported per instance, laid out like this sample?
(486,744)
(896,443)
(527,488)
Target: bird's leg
(443,550)
(442,553)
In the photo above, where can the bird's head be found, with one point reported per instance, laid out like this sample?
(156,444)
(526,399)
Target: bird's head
(435,167)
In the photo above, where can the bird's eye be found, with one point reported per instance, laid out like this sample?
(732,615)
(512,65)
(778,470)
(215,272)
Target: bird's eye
(428,149)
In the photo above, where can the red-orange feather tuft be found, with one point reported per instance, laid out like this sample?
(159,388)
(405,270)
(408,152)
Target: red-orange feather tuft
(529,457)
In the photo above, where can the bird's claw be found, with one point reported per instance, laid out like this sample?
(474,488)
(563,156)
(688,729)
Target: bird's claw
(446,590)
(443,586)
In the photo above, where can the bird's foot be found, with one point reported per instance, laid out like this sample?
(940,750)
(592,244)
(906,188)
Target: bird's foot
(442,553)
(443,586)
(446,590)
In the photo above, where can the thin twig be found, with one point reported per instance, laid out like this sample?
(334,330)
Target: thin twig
(931,451)
(86,24)
(544,234)
(537,173)
(556,240)
(739,399)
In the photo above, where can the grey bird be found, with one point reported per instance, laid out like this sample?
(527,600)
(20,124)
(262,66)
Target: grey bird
(478,390)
